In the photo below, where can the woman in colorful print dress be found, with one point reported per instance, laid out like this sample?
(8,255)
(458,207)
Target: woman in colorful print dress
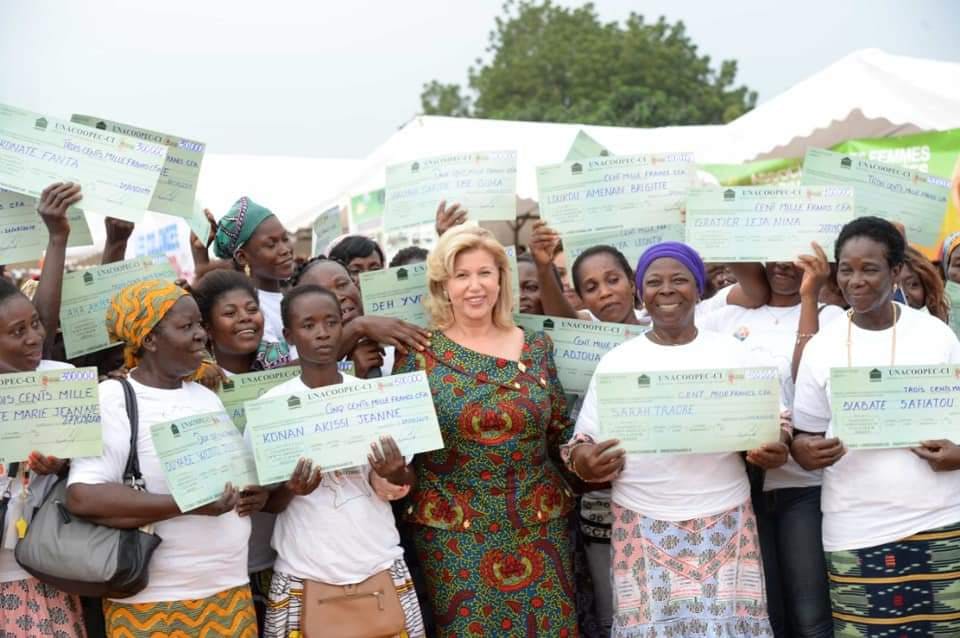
(490,509)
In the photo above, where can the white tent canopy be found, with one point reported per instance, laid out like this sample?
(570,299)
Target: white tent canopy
(868,93)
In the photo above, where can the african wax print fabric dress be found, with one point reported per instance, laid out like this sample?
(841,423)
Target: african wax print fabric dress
(907,587)
(682,579)
(490,510)
(29,608)
(227,613)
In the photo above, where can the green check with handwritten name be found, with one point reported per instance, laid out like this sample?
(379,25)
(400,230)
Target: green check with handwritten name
(118,173)
(335,425)
(177,184)
(199,455)
(24,236)
(690,411)
(615,192)
(55,412)
(240,388)
(87,294)
(916,200)
(893,407)
(632,242)
(768,223)
(400,292)
(396,292)
(579,344)
(485,183)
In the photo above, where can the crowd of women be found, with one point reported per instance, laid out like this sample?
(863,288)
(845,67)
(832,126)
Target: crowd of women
(526,523)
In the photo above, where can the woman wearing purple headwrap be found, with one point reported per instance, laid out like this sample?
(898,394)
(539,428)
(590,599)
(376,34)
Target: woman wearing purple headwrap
(685,554)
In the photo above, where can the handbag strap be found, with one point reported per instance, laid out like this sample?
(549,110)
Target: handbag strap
(131,473)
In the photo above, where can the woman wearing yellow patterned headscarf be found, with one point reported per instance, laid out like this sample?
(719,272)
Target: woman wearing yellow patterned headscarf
(135,311)
(198,575)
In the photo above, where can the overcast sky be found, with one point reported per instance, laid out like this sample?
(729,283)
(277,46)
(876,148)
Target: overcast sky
(335,79)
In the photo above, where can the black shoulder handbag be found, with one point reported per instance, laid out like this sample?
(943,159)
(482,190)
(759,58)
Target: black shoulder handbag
(80,557)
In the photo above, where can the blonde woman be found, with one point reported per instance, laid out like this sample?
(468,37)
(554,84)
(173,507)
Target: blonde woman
(489,510)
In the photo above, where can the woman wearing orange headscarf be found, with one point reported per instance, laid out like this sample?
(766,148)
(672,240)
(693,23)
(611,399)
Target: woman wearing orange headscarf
(198,574)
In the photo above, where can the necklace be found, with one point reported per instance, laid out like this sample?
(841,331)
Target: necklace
(777,317)
(893,339)
(654,337)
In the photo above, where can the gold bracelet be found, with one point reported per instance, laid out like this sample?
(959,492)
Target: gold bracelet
(804,336)
(573,464)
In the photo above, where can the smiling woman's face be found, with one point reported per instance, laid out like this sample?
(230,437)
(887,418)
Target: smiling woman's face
(863,274)
(474,286)
(236,323)
(335,278)
(177,343)
(670,293)
(784,278)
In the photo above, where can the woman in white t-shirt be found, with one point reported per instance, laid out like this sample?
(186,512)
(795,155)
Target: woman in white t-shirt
(335,528)
(28,607)
(685,554)
(787,504)
(235,324)
(891,517)
(604,280)
(255,239)
(371,342)
(198,574)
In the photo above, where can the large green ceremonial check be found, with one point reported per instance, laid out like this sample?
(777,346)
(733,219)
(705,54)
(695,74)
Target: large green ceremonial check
(632,242)
(483,183)
(615,192)
(770,223)
(177,185)
(914,199)
(118,173)
(53,412)
(579,344)
(890,407)
(199,455)
(87,293)
(335,425)
(240,388)
(399,292)
(23,235)
(690,411)
(396,292)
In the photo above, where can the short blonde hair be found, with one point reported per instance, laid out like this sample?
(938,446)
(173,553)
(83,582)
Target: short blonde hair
(440,268)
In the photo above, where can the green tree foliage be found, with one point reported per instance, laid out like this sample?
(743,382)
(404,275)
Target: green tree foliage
(557,64)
